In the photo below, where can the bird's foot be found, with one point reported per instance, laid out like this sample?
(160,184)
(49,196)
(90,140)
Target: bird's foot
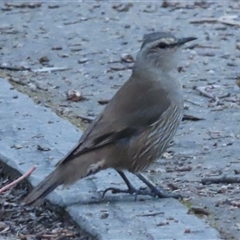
(155,192)
(132,191)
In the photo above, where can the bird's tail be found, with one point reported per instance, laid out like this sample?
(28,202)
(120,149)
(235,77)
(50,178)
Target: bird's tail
(66,173)
(52,181)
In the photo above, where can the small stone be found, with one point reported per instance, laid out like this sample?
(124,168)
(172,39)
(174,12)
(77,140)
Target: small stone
(17,146)
(199,210)
(236,171)
(103,101)
(42,148)
(32,86)
(36,100)
(167,155)
(237,226)
(238,45)
(104,216)
(223,189)
(63,55)
(3,226)
(57,48)
(53,6)
(238,81)
(235,204)
(162,224)
(122,7)
(83,60)
(44,59)
(211,72)
(128,58)
(75,96)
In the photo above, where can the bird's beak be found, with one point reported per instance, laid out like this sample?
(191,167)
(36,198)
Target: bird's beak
(182,41)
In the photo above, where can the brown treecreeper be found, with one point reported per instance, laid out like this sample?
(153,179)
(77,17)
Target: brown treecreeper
(136,126)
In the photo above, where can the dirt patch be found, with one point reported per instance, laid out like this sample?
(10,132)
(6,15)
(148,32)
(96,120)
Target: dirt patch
(23,222)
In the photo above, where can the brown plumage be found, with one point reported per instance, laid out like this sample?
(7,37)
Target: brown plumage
(135,127)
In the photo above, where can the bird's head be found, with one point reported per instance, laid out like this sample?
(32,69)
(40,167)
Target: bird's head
(160,49)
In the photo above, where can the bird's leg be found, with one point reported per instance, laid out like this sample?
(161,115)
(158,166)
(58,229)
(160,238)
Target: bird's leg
(131,189)
(125,179)
(151,191)
(156,191)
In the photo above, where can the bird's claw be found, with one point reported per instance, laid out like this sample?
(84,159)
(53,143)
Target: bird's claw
(150,192)
(114,191)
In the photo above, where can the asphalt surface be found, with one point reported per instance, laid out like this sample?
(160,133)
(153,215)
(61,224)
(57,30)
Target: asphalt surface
(50,49)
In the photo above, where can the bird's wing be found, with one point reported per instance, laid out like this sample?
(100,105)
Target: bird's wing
(123,118)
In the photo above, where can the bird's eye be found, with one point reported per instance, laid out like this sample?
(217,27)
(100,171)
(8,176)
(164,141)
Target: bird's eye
(162,45)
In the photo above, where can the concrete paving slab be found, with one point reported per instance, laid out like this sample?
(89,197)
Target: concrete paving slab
(24,126)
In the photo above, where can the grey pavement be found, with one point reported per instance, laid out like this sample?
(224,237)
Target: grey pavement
(24,126)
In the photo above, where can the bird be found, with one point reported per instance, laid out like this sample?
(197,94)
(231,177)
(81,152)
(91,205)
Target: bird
(134,129)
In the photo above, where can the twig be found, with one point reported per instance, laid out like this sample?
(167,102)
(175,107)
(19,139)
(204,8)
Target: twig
(51,235)
(204,20)
(50,69)
(24,5)
(219,108)
(184,169)
(187,117)
(180,169)
(15,68)
(85,118)
(207,46)
(221,179)
(8,186)
(194,103)
(150,214)
(199,210)
(204,93)
(17,81)
(120,68)
(227,20)
(224,95)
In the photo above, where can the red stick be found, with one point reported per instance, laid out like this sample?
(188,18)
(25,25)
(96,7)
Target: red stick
(27,174)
